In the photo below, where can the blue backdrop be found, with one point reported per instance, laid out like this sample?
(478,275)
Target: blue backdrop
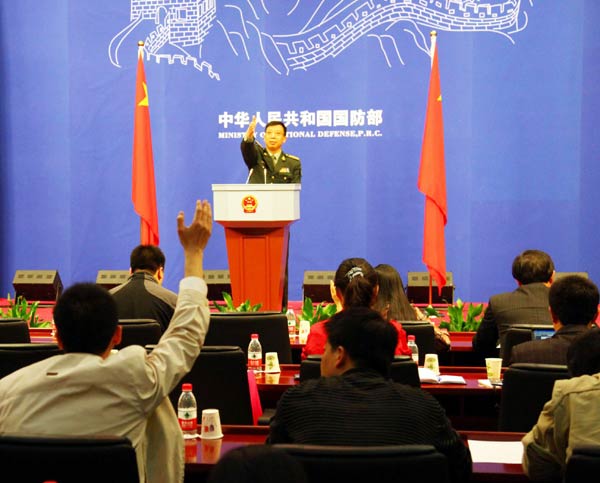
(520,83)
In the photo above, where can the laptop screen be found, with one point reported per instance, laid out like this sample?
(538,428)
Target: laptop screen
(539,334)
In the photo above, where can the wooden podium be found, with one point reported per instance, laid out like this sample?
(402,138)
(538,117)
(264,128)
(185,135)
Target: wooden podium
(257,218)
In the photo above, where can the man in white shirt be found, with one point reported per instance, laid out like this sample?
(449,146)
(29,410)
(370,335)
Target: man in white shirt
(89,391)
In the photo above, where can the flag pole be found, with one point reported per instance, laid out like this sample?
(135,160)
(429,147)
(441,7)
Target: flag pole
(433,37)
(140,54)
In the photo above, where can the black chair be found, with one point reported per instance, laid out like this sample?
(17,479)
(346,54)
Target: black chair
(405,371)
(326,464)
(310,368)
(14,331)
(235,329)
(584,465)
(220,380)
(515,335)
(16,356)
(257,463)
(402,370)
(139,332)
(424,336)
(525,390)
(32,459)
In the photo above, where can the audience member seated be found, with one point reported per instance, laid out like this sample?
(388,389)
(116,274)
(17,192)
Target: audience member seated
(570,419)
(528,304)
(392,303)
(573,308)
(143,296)
(89,391)
(356,404)
(356,285)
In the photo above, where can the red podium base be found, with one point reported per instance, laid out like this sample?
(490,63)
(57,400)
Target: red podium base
(257,259)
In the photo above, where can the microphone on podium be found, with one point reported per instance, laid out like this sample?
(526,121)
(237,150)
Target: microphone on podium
(249,174)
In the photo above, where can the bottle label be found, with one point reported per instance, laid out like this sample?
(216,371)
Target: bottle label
(415,357)
(188,419)
(254,360)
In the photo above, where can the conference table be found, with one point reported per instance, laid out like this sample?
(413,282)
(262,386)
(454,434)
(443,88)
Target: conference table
(471,406)
(202,455)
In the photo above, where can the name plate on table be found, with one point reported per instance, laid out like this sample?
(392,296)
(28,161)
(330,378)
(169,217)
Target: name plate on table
(256,202)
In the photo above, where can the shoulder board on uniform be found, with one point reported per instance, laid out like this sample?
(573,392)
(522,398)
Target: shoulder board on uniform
(292,157)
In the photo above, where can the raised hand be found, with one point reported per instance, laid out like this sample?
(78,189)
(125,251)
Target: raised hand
(251,128)
(193,238)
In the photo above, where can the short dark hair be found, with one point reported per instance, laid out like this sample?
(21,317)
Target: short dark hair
(368,340)
(357,280)
(86,318)
(583,355)
(277,123)
(532,266)
(147,257)
(574,300)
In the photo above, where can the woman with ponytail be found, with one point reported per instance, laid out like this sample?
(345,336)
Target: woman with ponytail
(356,285)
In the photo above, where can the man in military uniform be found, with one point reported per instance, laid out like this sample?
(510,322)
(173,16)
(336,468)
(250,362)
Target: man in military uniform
(270,164)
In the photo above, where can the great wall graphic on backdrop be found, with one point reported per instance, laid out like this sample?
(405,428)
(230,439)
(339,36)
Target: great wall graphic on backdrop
(178,28)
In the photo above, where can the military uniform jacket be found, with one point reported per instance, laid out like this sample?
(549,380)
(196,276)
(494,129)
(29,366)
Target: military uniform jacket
(258,159)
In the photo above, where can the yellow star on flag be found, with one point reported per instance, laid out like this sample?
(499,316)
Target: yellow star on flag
(144,101)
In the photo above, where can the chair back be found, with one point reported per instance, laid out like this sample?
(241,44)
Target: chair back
(583,465)
(402,370)
(13,331)
(139,332)
(220,380)
(324,464)
(525,390)
(16,356)
(517,334)
(68,459)
(424,336)
(310,368)
(235,329)
(405,371)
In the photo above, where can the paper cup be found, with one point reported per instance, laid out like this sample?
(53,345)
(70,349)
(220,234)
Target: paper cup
(211,424)
(303,331)
(272,362)
(431,362)
(493,366)
(210,450)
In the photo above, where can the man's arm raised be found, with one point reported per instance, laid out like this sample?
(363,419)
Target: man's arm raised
(193,238)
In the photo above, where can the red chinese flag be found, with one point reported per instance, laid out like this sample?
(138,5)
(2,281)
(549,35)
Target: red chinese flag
(143,188)
(432,181)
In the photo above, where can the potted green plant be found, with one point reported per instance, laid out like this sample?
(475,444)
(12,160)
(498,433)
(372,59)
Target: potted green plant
(21,309)
(229,306)
(316,314)
(458,323)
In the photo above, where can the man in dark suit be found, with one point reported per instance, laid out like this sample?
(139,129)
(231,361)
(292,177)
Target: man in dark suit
(573,308)
(143,296)
(270,164)
(528,304)
(356,404)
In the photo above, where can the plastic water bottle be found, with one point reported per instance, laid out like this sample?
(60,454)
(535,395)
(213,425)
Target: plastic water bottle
(291,320)
(187,412)
(414,349)
(254,353)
